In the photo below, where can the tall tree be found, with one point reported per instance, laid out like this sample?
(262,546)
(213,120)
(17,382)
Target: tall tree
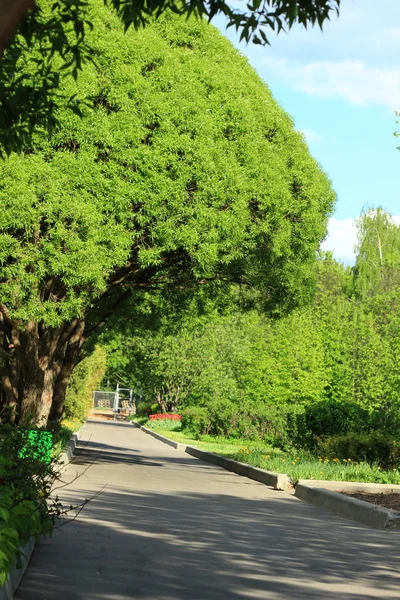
(377,285)
(378,251)
(185,172)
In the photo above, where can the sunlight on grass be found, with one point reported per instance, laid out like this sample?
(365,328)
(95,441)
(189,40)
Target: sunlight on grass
(296,464)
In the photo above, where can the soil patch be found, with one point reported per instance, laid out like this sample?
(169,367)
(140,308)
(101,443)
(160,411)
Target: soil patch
(104,416)
(391,501)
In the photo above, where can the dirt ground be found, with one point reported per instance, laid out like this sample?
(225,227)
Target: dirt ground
(106,416)
(387,500)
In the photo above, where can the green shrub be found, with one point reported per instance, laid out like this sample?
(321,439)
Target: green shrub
(18,521)
(27,475)
(375,448)
(245,420)
(387,421)
(85,379)
(36,444)
(325,419)
(248,420)
(144,409)
(61,434)
(196,419)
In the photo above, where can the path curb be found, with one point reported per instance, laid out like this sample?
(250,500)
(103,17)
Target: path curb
(68,454)
(352,508)
(162,438)
(279,481)
(8,589)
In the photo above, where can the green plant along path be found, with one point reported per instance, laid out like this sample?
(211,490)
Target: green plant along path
(28,470)
(298,464)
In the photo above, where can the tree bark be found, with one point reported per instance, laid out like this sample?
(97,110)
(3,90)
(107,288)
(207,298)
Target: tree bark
(11,12)
(35,366)
(73,349)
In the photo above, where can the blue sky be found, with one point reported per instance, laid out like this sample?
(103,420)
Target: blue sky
(342,87)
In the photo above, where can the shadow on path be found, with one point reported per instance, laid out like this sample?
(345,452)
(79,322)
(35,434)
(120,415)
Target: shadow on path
(203,542)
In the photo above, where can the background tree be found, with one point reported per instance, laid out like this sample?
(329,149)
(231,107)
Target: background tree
(329,367)
(85,379)
(378,251)
(186,171)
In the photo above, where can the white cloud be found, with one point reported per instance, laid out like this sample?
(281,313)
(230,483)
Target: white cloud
(351,80)
(342,238)
(312,137)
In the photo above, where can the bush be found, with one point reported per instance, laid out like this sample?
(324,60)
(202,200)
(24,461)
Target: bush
(165,424)
(27,475)
(35,445)
(387,420)
(61,434)
(325,419)
(196,419)
(85,379)
(144,409)
(245,420)
(375,448)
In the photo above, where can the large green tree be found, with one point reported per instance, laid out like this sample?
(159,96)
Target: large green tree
(58,31)
(184,171)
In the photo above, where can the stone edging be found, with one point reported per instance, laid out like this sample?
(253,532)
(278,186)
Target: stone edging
(8,589)
(278,481)
(68,454)
(346,506)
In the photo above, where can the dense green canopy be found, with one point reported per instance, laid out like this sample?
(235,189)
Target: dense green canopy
(187,171)
(58,31)
(186,155)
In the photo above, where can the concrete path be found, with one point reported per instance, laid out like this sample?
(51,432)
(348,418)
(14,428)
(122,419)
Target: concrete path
(170,527)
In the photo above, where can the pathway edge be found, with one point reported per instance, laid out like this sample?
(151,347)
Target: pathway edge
(345,506)
(279,481)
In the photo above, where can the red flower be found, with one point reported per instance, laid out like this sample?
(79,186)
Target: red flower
(173,417)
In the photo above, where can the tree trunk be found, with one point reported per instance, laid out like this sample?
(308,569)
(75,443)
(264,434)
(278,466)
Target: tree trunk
(21,375)
(50,377)
(35,366)
(70,358)
(11,12)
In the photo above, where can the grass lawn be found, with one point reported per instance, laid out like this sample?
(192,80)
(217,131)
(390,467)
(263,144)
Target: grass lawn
(296,464)
(302,465)
(226,446)
(220,445)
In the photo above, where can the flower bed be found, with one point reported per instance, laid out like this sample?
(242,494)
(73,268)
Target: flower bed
(164,416)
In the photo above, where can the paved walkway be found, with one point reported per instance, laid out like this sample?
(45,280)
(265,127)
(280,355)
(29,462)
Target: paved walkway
(170,527)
